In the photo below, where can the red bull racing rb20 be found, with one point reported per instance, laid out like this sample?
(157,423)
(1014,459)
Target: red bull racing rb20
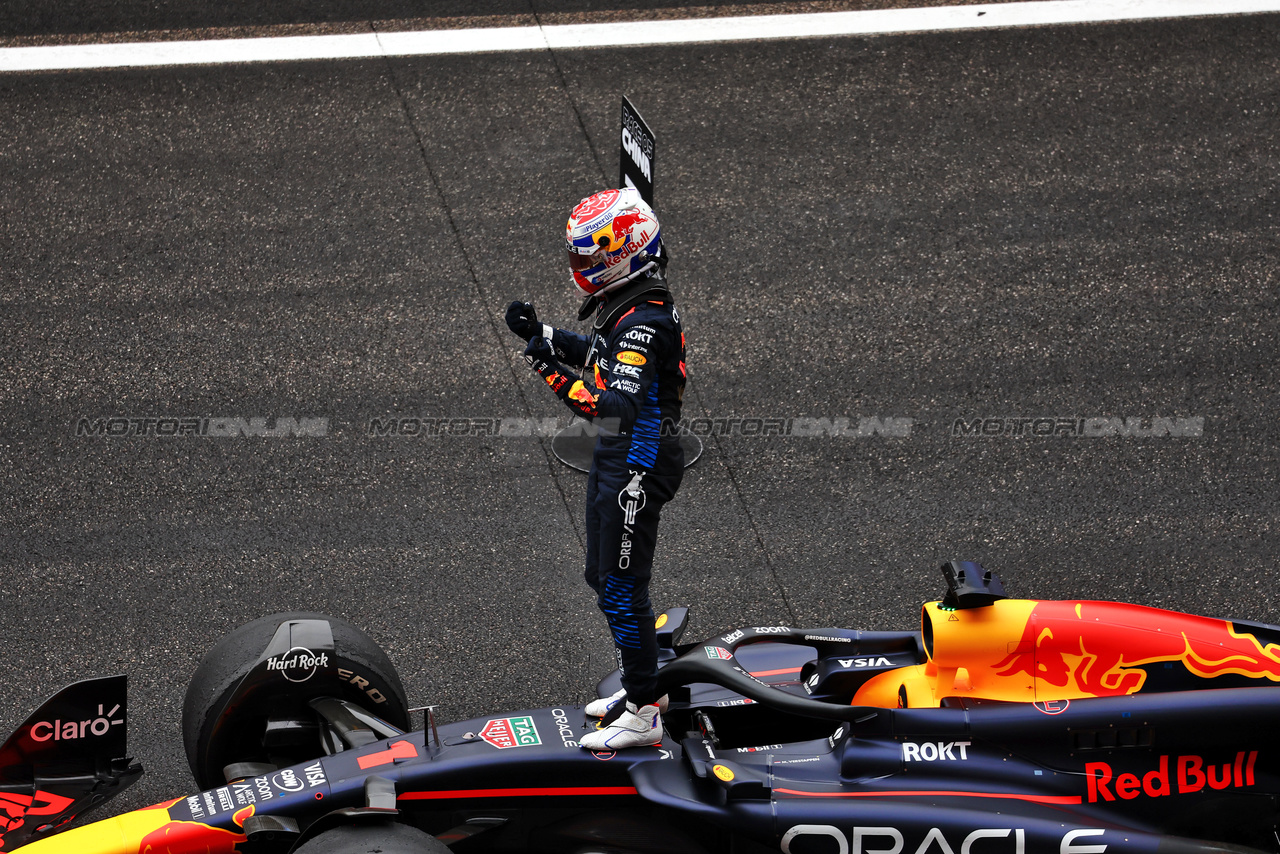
(998,726)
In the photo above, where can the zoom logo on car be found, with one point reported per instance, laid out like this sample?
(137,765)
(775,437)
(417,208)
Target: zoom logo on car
(60,730)
(298,664)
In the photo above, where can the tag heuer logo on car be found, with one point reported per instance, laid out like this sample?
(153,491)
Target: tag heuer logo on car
(718,652)
(511,732)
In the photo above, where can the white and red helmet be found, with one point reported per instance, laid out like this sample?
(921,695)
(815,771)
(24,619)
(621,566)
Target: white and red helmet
(612,237)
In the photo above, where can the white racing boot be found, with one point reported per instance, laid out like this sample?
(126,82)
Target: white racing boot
(599,708)
(640,727)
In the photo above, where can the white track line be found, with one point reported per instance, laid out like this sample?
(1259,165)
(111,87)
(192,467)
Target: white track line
(635,34)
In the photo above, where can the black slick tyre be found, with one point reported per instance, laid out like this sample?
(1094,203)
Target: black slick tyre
(224,717)
(383,837)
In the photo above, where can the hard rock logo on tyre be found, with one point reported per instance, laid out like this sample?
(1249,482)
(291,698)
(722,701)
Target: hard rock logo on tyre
(298,664)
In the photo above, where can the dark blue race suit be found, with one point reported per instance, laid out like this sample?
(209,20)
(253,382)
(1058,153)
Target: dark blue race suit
(634,377)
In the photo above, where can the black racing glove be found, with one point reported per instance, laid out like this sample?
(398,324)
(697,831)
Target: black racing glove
(523,320)
(542,358)
(539,354)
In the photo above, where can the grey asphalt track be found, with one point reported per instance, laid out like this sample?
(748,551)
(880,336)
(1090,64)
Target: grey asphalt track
(1064,224)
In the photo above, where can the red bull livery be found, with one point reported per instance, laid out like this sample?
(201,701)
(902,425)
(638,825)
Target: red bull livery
(998,726)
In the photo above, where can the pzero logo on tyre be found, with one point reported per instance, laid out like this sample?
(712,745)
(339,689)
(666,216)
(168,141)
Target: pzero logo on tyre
(298,664)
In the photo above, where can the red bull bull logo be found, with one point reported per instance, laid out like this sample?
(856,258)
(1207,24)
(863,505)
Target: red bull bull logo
(1098,649)
(180,837)
(556,381)
(582,394)
(151,830)
(1051,652)
(15,808)
(621,228)
(616,233)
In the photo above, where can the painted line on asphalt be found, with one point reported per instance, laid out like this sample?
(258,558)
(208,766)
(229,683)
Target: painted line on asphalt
(631,34)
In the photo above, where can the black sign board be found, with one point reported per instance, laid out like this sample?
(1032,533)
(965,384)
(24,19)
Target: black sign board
(636,159)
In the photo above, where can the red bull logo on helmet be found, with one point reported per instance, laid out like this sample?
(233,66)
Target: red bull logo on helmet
(622,226)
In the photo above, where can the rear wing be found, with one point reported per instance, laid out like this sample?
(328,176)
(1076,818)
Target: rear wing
(68,756)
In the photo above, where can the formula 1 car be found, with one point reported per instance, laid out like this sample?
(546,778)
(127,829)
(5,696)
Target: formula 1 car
(1000,726)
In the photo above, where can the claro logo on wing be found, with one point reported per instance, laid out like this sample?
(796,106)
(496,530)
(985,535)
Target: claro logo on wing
(891,840)
(60,730)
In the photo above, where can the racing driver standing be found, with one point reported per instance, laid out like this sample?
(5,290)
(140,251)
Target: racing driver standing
(631,387)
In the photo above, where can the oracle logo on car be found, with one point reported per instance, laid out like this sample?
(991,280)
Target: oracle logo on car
(60,730)
(892,840)
(1189,775)
(567,735)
